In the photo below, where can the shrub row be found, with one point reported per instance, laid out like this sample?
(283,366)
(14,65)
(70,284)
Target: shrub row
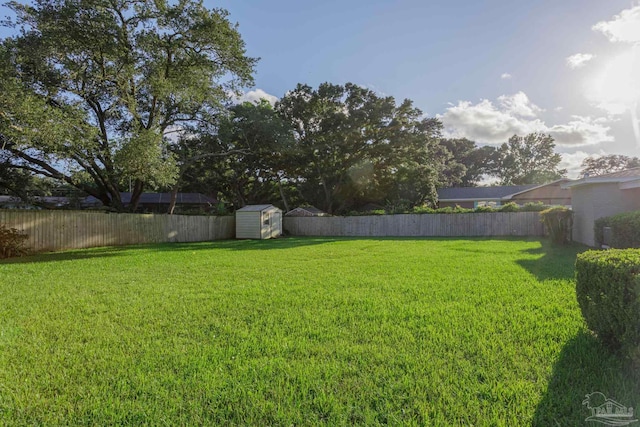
(608,291)
(401,209)
(12,242)
(625,229)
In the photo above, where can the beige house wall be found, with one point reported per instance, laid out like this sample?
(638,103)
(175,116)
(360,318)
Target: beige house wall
(590,202)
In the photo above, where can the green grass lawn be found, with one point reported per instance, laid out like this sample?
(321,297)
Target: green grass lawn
(301,331)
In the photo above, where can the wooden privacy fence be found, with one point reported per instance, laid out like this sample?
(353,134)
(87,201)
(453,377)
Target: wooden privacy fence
(451,225)
(60,230)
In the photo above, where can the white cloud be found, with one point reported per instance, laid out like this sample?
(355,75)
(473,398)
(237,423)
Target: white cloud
(506,76)
(581,131)
(579,60)
(624,27)
(519,104)
(255,96)
(484,122)
(489,123)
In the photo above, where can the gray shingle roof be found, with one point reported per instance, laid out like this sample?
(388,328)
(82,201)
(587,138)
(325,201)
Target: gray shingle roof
(629,173)
(162,199)
(256,208)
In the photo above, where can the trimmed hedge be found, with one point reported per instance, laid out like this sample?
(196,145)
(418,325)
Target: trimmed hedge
(401,209)
(608,291)
(625,229)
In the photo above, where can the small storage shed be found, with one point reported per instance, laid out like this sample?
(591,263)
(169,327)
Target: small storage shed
(258,222)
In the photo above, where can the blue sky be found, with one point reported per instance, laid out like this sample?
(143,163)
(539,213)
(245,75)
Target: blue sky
(488,69)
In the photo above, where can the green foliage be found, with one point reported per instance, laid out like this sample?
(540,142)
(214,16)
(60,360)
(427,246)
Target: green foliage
(486,208)
(600,165)
(12,242)
(143,158)
(625,229)
(533,207)
(528,160)
(475,161)
(558,221)
(97,88)
(243,159)
(608,291)
(353,147)
(509,207)
(405,209)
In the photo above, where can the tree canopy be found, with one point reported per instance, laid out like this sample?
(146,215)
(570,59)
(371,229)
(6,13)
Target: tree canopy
(243,161)
(529,159)
(91,90)
(352,146)
(600,165)
(477,162)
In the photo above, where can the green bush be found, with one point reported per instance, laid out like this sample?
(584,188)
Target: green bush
(625,229)
(12,242)
(534,207)
(608,291)
(558,221)
(509,207)
(481,209)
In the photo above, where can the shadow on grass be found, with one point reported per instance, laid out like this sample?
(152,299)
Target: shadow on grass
(118,251)
(585,366)
(249,245)
(112,251)
(552,262)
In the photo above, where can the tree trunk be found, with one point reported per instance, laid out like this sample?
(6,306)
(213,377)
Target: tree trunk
(138,186)
(174,197)
(284,199)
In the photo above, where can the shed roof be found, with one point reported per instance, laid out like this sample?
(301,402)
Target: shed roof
(256,208)
(481,193)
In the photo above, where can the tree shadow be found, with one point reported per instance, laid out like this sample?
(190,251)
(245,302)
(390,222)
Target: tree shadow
(250,244)
(552,262)
(117,251)
(111,251)
(584,366)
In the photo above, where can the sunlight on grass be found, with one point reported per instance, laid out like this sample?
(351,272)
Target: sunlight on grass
(300,331)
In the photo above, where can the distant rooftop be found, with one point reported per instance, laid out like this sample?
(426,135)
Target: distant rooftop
(162,199)
(629,176)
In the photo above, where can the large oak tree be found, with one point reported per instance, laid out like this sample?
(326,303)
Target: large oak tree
(92,89)
(353,146)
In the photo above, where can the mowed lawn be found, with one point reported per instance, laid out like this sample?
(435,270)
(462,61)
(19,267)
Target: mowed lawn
(301,331)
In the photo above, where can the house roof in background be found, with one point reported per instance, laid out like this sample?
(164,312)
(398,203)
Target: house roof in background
(559,181)
(162,199)
(625,176)
(481,193)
